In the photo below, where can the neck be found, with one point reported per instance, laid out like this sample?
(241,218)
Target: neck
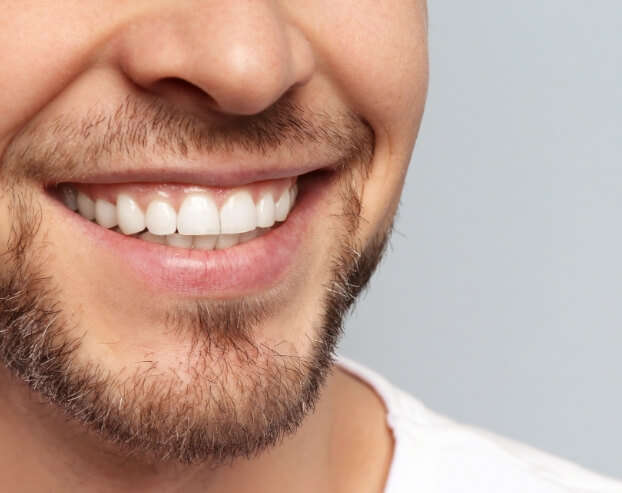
(68,458)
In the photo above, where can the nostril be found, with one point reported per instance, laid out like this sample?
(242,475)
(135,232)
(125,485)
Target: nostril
(183,93)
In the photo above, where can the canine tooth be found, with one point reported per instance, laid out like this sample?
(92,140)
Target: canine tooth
(160,218)
(129,215)
(205,242)
(282,206)
(227,241)
(238,214)
(69,196)
(86,207)
(181,241)
(198,215)
(266,211)
(147,236)
(293,193)
(105,213)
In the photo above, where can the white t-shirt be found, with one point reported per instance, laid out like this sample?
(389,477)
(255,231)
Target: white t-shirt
(436,455)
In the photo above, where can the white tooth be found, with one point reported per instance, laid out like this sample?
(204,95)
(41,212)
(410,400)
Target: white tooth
(130,217)
(147,236)
(292,196)
(180,241)
(69,196)
(266,211)
(205,242)
(86,207)
(105,213)
(226,241)
(249,235)
(198,215)
(160,218)
(238,214)
(282,206)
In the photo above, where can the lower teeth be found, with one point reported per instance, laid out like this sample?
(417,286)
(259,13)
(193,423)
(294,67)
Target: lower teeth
(205,242)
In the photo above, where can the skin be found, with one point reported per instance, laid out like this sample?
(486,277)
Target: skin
(229,59)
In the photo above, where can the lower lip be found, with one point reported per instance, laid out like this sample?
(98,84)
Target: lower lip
(243,269)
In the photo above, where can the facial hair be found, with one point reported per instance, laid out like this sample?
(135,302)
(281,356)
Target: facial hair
(243,396)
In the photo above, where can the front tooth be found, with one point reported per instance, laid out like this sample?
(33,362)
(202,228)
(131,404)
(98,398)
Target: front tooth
(160,218)
(282,206)
(227,241)
(198,215)
(129,215)
(69,196)
(238,214)
(205,242)
(266,211)
(147,236)
(86,207)
(180,241)
(105,213)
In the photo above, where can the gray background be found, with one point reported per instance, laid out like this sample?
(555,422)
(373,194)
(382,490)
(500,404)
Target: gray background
(499,304)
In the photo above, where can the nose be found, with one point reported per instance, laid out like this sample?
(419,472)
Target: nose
(234,56)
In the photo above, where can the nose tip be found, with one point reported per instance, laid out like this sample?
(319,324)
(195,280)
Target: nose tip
(250,78)
(241,57)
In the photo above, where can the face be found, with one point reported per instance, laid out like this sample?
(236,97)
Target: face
(191,197)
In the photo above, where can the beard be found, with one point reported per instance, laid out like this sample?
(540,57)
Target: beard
(238,396)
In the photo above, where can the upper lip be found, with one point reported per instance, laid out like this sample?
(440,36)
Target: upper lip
(230,176)
(237,168)
(129,150)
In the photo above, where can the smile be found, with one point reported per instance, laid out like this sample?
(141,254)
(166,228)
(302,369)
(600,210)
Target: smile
(191,240)
(185,216)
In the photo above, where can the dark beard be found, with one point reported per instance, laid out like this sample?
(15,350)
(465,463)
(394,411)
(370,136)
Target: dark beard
(242,396)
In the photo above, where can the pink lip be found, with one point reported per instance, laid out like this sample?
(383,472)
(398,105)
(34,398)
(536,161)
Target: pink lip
(244,269)
(231,175)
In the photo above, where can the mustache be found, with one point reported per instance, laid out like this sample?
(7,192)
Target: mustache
(72,148)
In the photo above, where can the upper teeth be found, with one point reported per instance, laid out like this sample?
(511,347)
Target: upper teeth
(198,223)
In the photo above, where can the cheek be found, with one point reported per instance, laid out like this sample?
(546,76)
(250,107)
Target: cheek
(5,227)
(43,47)
(381,195)
(375,55)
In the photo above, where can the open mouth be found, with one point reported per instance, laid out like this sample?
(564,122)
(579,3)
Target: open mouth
(184,216)
(197,240)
